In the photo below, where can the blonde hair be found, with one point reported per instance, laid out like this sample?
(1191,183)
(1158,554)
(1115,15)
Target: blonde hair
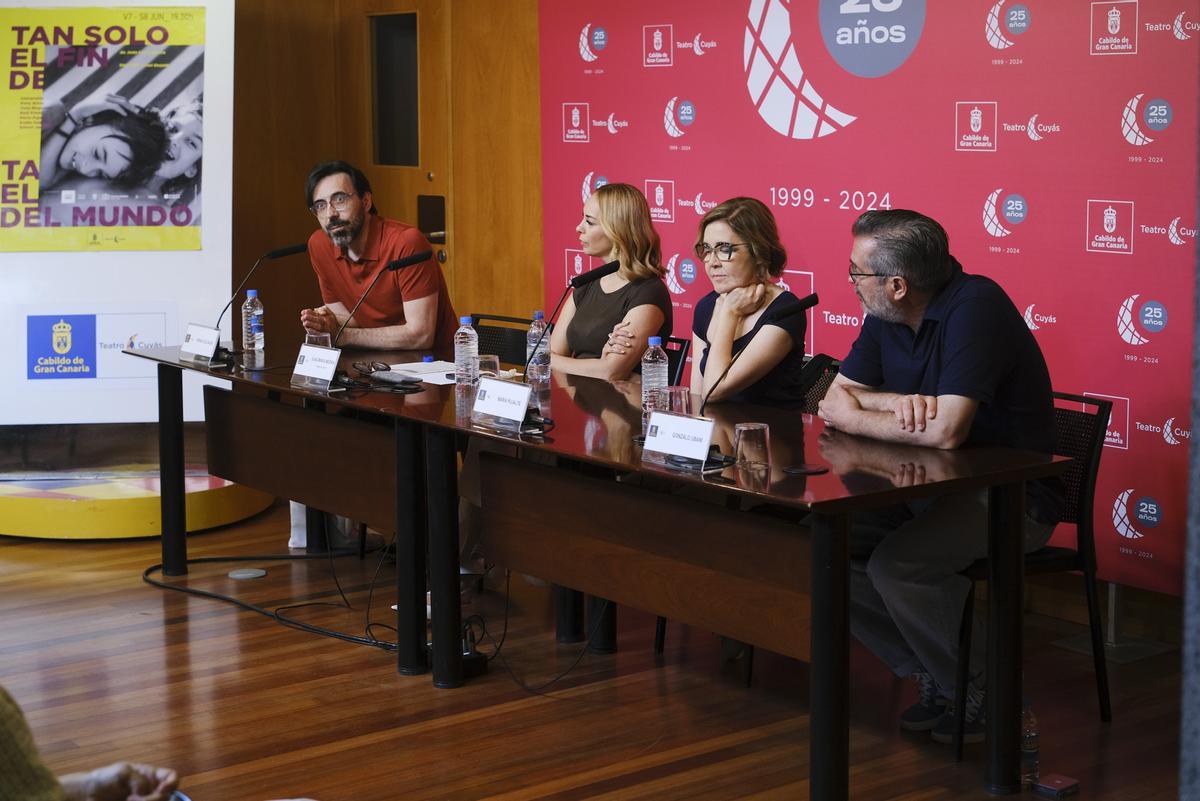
(625,219)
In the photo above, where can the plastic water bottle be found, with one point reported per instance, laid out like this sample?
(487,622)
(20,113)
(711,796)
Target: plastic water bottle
(252,315)
(539,363)
(654,373)
(1030,770)
(466,354)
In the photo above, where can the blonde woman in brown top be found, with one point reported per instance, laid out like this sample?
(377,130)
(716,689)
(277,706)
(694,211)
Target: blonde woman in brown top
(615,227)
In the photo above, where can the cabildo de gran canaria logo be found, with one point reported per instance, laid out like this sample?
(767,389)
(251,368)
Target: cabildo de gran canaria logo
(1151,319)
(1147,512)
(1012,210)
(1016,22)
(61,346)
(867,38)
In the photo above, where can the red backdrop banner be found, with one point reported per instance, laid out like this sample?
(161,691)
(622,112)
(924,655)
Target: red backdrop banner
(1054,139)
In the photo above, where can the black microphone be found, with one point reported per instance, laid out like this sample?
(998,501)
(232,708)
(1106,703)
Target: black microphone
(391,267)
(574,283)
(594,275)
(804,305)
(290,250)
(270,255)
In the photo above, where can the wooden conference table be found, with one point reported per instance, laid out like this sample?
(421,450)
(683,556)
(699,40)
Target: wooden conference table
(673,544)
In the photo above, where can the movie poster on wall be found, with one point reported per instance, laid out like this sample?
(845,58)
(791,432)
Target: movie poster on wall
(101,128)
(1054,139)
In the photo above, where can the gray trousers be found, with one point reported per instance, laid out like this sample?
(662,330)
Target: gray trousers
(906,594)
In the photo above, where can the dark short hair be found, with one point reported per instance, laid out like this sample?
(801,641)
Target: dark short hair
(328,168)
(907,244)
(146,136)
(755,224)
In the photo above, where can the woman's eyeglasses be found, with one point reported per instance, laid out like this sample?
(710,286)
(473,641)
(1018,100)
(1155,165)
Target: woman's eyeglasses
(724,250)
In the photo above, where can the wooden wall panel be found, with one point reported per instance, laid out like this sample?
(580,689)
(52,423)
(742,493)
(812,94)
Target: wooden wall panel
(287,74)
(283,124)
(496,157)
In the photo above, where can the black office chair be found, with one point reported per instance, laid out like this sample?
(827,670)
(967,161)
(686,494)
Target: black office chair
(677,351)
(1080,435)
(506,341)
(815,378)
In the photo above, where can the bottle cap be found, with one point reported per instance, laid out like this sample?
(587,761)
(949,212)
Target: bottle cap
(655,341)
(464,320)
(427,359)
(538,314)
(252,293)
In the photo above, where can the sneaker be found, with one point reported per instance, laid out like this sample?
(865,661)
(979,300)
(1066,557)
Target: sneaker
(974,724)
(928,709)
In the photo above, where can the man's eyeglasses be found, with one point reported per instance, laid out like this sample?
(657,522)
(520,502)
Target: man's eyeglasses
(339,201)
(855,276)
(366,368)
(724,250)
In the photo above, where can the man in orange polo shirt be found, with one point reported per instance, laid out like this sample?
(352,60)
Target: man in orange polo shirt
(408,309)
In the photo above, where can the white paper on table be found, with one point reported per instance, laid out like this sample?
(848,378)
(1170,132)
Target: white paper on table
(421,368)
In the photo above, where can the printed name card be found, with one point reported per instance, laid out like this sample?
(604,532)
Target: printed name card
(500,404)
(679,436)
(315,366)
(199,343)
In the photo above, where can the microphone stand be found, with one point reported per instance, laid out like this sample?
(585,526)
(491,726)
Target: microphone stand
(223,354)
(805,304)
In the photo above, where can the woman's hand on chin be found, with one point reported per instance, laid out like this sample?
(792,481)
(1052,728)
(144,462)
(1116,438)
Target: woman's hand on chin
(743,300)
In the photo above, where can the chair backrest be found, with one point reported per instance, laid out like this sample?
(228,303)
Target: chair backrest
(815,379)
(506,341)
(1079,433)
(677,350)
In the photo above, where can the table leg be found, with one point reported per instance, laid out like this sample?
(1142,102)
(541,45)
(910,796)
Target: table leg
(170,470)
(317,535)
(410,551)
(829,685)
(1006,511)
(441,492)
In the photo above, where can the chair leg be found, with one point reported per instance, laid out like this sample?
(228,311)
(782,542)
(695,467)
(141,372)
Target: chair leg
(963,671)
(749,668)
(362,540)
(1098,656)
(660,634)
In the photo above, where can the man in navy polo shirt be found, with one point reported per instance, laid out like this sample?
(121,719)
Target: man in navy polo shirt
(945,360)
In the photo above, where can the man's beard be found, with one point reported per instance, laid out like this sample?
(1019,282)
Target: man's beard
(346,234)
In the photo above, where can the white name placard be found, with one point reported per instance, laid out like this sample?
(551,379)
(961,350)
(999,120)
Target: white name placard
(199,342)
(502,401)
(677,435)
(315,366)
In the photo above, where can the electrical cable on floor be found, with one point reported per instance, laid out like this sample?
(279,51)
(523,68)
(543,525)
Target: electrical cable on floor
(539,689)
(274,614)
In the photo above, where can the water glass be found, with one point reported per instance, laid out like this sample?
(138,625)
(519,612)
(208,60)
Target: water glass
(320,339)
(676,400)
(489,365)
(752,444)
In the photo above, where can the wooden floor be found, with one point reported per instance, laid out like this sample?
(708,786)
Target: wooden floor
(108,667)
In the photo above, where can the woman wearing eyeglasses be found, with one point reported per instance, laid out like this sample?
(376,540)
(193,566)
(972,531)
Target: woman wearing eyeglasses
(746,312)
(615,227)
